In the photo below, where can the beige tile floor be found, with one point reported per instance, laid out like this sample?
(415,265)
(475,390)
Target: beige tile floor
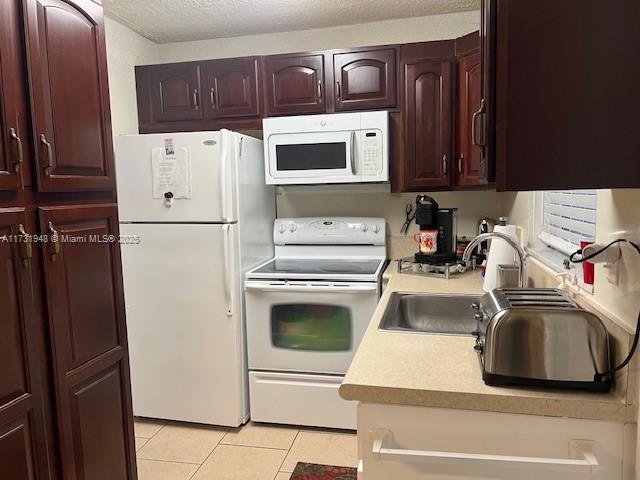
(183,451)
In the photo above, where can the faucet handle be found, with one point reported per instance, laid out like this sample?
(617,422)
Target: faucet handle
(475,306)
(462,267)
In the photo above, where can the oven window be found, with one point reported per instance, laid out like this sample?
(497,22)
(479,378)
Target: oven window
(311,156)
(304,326)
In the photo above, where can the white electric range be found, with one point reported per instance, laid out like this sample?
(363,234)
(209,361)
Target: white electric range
(306,312)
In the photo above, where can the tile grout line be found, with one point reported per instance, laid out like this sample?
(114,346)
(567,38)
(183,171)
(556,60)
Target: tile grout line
(208,456)
(288,452)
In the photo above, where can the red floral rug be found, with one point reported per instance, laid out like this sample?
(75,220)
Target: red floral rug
(312,471)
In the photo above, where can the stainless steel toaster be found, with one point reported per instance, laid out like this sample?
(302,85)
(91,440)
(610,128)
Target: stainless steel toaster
(541,337)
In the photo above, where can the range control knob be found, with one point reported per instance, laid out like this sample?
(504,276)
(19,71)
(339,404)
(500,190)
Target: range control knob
(292,227)
(282,228)
(364,227)
(376,228)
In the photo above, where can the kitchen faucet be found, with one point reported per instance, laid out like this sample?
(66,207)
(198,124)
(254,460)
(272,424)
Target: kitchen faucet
(522,255)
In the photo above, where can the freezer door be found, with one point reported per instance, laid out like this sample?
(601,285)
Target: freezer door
(212,178)
(184,322)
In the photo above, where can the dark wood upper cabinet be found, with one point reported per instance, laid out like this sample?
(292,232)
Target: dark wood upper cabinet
(84,293)
(427,113)
(175,92)
(23,455)
(11,90)
(69,95)
(567,108)
(365,79)
(471,167)
(231,88)
(294,84)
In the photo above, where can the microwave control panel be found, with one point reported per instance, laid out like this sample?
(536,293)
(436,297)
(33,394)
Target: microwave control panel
(371,152)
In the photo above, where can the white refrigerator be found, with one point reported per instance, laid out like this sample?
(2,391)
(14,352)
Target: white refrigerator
(195,216)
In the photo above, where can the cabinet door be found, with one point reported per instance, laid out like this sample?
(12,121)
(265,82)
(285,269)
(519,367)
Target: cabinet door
(175,92)
(90,360)
(11,155)
(69,95)
(567,109)
(231,88)
(294,84)
(471,168)
(22,453)
(365,79)
(427,119)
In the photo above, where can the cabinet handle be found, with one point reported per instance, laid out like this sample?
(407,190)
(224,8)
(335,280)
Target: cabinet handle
(49,166)
(28,245)
(474,129)
(582,457)
(55,241)
(444,165)
(20,156)
(338,91)
(460,160)
(212,97)
(195,98)
(319,90)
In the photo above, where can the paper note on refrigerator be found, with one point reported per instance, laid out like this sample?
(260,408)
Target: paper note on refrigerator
(171,172)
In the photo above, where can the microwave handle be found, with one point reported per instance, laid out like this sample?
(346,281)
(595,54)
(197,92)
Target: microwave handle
(353,152)
(266,287)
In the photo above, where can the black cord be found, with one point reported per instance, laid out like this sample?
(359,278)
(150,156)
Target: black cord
(636,336)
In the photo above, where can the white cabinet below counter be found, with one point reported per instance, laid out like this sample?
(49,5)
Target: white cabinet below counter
(425,443)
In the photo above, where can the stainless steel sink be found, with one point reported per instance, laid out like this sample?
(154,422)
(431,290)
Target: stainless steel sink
(430,313)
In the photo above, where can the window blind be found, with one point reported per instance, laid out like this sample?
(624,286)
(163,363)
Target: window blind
(568,216)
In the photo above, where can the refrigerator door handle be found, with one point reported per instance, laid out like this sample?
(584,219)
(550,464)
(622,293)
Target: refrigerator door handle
(226,170)
(228,279)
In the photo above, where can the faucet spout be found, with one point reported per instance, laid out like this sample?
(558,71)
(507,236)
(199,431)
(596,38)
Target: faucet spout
(522,255)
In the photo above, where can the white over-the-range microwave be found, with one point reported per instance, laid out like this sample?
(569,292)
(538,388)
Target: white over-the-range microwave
(332,148)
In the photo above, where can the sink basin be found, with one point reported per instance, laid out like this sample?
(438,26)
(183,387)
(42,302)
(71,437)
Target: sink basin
(430,313)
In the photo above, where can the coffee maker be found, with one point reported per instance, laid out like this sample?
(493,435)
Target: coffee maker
(429,216)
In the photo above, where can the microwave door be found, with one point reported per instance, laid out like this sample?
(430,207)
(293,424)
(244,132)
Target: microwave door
(314,157)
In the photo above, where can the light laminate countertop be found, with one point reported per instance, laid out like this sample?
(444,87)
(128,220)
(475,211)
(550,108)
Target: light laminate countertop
(444,371)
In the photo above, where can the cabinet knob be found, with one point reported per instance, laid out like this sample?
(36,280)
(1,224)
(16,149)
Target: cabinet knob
(319,90)
(28,244)
(55,241)
(49,166)
(338,91)
(474,129)
(444,165)
(460,162)
(212,97)
(19,154)
(195,99)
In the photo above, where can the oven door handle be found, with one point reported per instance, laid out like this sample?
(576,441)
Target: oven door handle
(266,287)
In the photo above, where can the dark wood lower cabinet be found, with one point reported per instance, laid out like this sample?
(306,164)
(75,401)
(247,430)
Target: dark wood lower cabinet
(23,452)
(87,327)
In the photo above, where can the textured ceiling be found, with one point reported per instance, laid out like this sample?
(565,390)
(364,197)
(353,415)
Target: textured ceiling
(166,21)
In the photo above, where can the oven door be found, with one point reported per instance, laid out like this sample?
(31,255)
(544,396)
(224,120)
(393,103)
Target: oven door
(313,157)
(312,327)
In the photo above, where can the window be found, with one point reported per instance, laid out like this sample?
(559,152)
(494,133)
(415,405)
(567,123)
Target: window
(562,219)
(568,217)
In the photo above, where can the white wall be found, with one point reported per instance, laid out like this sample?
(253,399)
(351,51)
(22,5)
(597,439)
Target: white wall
(416,29)
(125,49)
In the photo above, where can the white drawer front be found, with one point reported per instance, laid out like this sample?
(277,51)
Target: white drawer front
(444,444)
(300,399)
